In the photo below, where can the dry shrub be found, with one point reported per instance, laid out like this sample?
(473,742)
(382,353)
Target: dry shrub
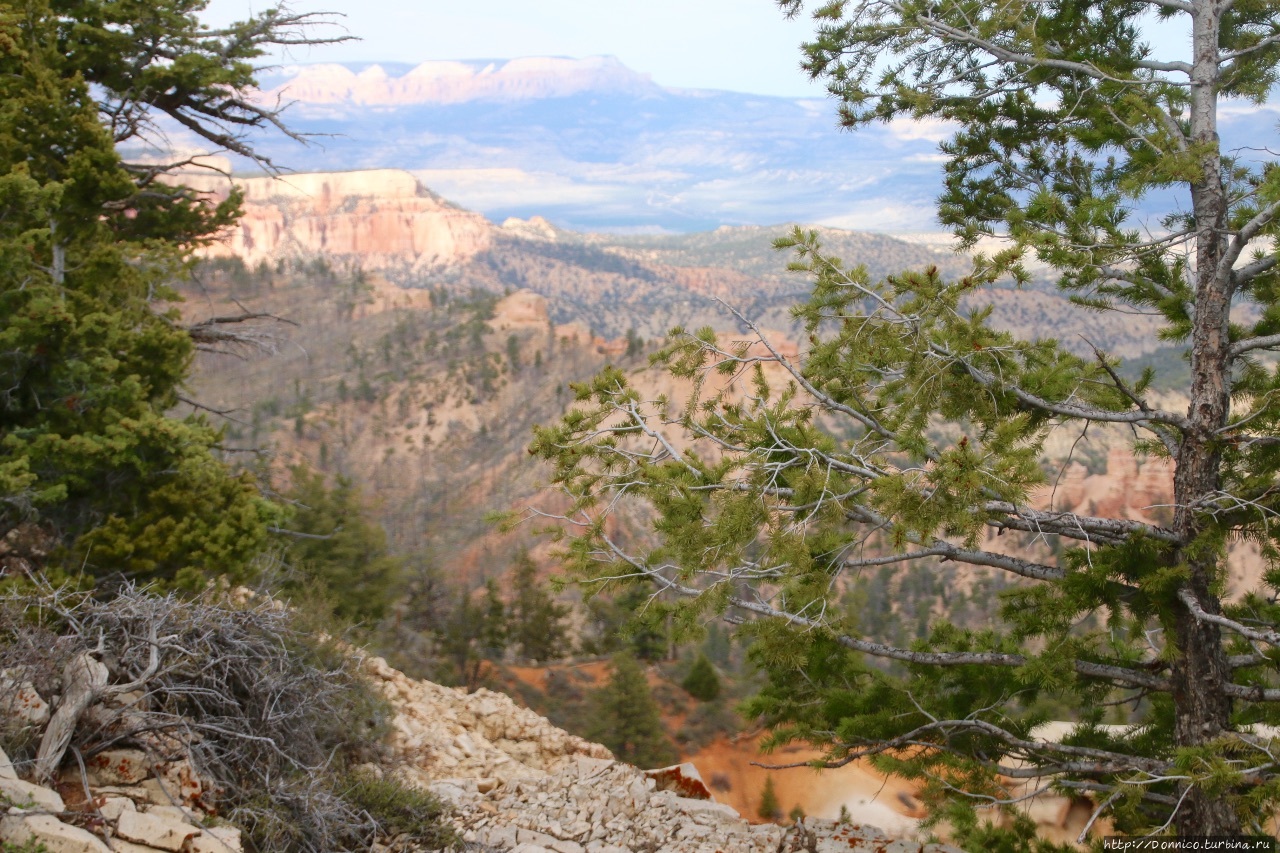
(271,717)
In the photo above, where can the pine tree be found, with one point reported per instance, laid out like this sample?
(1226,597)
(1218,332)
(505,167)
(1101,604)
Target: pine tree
(769,808)
(472,632)
(493,636)
(458,642)
(702,683)
(627,620)
(911,429)
(627,719)
(332,544)
(89,244)
(537,623)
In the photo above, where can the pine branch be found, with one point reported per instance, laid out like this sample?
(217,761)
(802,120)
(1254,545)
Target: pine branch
(1090,669)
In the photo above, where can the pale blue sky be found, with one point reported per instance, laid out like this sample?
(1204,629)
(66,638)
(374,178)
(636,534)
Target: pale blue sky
(739,45)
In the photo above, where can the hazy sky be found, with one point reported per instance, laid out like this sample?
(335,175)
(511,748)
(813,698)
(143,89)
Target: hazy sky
(739,45)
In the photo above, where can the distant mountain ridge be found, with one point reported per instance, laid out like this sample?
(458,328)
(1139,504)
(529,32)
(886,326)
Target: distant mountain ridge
(595,146)
(454,81)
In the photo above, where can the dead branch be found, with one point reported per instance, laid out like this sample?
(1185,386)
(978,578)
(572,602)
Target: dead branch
(268,718)
(83,680)
(238,334)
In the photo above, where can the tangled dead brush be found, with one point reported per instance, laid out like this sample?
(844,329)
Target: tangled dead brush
(272,720)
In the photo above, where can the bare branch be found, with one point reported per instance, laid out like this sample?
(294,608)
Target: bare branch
(1271,638)
(1239,348)
(236,333)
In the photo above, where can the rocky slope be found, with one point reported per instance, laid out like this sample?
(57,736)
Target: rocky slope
(514,781)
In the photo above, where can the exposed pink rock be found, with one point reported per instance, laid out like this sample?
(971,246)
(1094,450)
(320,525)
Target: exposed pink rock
(1070,490)
(574,332)
(1127,488)
(684,779)
(523,309)
(1152,491)
(381,219)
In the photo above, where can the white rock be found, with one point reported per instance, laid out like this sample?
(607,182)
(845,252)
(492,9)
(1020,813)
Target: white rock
(181,780)
(497,836)
(528,836)
(154,791)
(588,767)
(217,839)
(6,767)
(121,846)
(27,795)
(19,700)
(228,835)
(56,836)
(155,830)
(173,813)
(113,807)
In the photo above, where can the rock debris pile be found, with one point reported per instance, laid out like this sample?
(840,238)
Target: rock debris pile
(518,783)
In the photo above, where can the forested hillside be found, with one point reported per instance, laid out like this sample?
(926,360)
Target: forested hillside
(415,355)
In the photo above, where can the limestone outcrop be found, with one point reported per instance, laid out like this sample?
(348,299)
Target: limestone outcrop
(125,802)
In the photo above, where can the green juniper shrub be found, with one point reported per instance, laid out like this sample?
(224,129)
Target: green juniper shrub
(412,813)
(702,682)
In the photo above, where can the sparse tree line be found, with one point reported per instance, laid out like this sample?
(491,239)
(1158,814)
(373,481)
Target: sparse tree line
(908,433)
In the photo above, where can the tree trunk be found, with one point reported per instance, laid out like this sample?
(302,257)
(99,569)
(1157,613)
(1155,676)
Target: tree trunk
(83,680)
(1200,671)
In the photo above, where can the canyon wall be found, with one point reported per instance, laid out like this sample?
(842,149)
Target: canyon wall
(377,219)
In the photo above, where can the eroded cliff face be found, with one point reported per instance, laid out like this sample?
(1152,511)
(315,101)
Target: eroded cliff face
(1138,488)
(1125,488)
(381,219)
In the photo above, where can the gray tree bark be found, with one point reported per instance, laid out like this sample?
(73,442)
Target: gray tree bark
(84,678)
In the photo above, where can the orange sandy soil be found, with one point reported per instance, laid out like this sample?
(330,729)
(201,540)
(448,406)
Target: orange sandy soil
(726,765)
(536,676)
